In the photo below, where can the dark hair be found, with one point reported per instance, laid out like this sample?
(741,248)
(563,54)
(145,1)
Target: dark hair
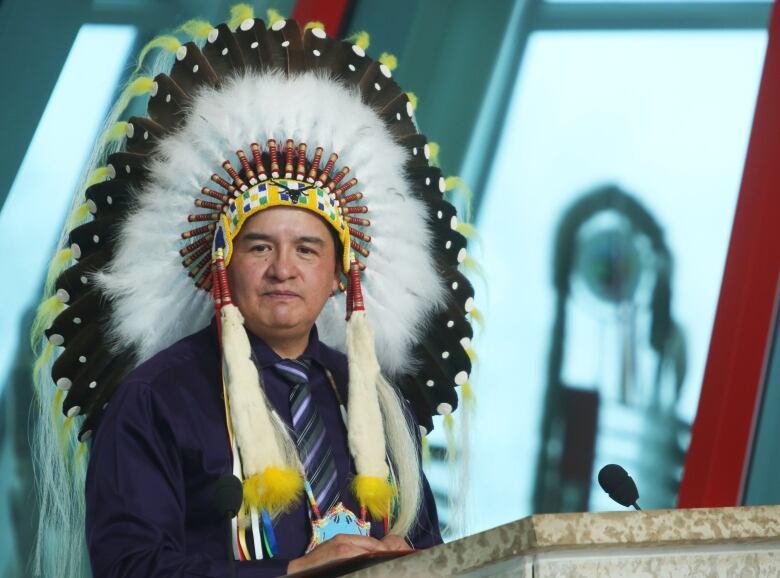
(338,247)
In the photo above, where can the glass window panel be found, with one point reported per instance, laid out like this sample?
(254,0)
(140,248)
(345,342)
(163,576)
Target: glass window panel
(764,469)
(43,188)
(660,1)
(665,118)
(30,223)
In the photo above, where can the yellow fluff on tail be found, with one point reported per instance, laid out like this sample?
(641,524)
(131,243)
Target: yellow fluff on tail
(239,13)
(274,490)
(375,494)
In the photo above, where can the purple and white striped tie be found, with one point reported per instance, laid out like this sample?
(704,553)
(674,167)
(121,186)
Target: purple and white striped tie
(312,440)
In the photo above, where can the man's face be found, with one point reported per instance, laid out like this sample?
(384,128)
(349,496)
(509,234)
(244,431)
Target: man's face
(282,271)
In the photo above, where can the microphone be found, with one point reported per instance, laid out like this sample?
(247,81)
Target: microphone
(616,482)
(230,494)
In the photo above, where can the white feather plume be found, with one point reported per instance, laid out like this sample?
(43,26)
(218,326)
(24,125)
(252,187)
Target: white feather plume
(155,303)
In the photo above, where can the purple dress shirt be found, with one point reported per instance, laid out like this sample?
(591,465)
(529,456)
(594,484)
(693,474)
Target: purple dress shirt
(161,447)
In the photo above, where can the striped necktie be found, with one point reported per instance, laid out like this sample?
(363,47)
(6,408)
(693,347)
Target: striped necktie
(313,447)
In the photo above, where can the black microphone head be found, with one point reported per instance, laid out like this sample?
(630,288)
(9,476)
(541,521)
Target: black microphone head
(618,484)
(230,494)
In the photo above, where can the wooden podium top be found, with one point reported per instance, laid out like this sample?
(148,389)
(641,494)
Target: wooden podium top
(705,532)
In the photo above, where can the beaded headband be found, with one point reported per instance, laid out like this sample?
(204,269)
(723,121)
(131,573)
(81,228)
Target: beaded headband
(303,185)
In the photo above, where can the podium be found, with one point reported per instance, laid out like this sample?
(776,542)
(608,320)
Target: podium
(728,542)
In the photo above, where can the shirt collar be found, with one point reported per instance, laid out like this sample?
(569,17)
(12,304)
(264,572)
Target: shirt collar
(266,356)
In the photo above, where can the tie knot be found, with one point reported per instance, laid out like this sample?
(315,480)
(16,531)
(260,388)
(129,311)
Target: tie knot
(293,371)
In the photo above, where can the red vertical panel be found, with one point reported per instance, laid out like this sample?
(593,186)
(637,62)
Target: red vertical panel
(720,444)
(332,13)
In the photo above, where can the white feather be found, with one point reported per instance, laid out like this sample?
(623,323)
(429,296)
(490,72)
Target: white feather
(155,303)
(366,431)
(262,442)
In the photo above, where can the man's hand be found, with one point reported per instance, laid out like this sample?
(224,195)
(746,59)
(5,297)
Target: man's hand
(339,547)
(396,543)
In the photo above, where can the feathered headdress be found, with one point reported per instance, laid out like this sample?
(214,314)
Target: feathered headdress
(253,118)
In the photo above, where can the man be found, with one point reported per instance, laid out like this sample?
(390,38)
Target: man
(278,181)
(282,273)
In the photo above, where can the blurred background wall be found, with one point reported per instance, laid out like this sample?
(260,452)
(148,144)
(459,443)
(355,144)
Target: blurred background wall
(600,147)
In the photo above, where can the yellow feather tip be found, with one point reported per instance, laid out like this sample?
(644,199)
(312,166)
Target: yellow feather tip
(239,13)
(42,363)
(472,355)
(471,264)
(426,450)
(467,230)
(449,422)
(56,404)
(412,99)
(81,453)
(141,85)
(117,132)
(453,182)
(361,38)
(434,149)
(273,16)
(43,359)
(449,434)
(61,260)
(46,313)
(467,392)
(196,29)
(314,24)
(99,175)
(51,307)
(375,494)
(78,215)
(476,315)
(274,490)
(169,43)
(389,60)
(64,434)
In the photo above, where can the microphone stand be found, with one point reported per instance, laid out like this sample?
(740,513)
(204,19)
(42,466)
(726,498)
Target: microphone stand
(228,502)
(231,557)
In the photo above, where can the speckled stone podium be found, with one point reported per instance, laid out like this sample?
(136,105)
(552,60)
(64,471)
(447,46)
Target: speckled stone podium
(728,542)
